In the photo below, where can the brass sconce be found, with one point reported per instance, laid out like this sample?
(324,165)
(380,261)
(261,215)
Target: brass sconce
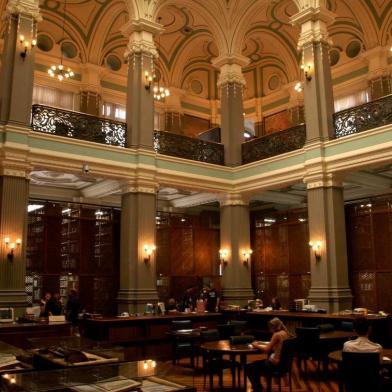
(25,45)
(223,254)
(316,247)
(148,250)
(11,246)
(307,68)
(246,254)
(147,80)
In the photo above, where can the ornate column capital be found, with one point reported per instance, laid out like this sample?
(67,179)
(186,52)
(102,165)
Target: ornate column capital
(24,7)
(322,180)
(313,22)
(15,168)
(141,37)
(233,199)
(139,186)
(230,66)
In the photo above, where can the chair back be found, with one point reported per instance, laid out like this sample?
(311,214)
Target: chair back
(210,335)
(287,355)
(242,339)
(239,326)
(225,331)
(308,339)
(360,371)
(181,324)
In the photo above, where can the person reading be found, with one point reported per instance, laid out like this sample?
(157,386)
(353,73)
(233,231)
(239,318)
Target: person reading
(362,344)
(258,368)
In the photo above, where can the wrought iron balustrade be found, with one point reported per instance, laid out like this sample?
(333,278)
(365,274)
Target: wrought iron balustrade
(363,117)
(167,143)
(78,125)
(274,144)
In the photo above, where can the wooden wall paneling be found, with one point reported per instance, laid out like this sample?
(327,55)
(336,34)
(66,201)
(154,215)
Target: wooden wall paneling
(258,250)
(178,285)
(163,256)
(206,245)
(271,288)
(86,292)
(88,241)
(181,251)
(382,239)
(298,240)
(384,291)
(282,289)
(364,289)
(52,238)
(276,249)
(50,283)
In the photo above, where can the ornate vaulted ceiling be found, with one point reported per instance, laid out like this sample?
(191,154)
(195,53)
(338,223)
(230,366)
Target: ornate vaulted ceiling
(197,31)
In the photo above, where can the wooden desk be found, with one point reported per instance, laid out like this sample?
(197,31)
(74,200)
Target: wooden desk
(144,336)
(18,334)
(223,347)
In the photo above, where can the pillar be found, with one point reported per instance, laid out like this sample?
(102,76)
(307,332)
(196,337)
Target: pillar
(235,237)
(137,268)
(14,196)
(17,66)
(140,54)
(318,93)
(90,96)
(231,83)
(329,272)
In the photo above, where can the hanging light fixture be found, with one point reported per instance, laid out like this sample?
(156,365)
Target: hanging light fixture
(160,92)
(59,71)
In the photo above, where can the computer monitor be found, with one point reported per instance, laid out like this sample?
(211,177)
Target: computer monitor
(6,315)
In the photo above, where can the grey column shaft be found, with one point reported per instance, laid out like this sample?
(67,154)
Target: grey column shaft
(140,102)
(17,74)
(14,196)
(232,122)
(318,93)
(329,275)
(137,273)
(235,236)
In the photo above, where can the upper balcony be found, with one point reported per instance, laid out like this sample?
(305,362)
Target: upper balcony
(101,130)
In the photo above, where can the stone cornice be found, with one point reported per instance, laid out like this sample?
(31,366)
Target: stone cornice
(139,187)
(24,7)
(233,199)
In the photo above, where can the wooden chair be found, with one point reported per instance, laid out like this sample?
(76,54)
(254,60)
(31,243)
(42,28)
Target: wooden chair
(182,346)
(360,371)
(308,347)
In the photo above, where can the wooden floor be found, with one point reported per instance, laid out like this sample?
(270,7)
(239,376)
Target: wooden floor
(185,375)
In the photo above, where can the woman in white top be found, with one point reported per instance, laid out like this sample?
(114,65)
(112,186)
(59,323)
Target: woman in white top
(258,368)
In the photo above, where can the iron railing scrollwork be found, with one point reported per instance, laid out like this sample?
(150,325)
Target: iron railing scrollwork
(274,144)
(189,148)
(363,117)
(78,125)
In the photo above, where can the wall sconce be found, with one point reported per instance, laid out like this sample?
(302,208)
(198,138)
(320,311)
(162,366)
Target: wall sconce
(147,80)
(223,253)
(307,68)
(25,45)
(148,250)
(11,246)
(246,256)
(316,247)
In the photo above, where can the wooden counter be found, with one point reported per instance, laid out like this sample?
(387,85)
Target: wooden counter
(18,334)
(144,336)
(381,326)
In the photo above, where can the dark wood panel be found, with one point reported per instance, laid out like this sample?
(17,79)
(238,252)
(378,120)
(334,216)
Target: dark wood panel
(384,291)
(163,251)
(182,260)
(382,226)
(206,251)
(298,240)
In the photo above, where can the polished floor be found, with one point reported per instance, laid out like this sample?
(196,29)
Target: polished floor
(185,375)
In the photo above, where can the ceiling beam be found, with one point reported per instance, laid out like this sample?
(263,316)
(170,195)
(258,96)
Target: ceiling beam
(369,180)
(279,198)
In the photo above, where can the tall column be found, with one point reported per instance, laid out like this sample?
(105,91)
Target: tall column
(137,269)
(140,53)
(231,83)
(17,66)
(90,95)
(318,94)
(14,196)
(329,269)
(235,238)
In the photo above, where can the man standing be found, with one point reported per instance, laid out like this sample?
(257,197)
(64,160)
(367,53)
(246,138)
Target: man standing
(212,303)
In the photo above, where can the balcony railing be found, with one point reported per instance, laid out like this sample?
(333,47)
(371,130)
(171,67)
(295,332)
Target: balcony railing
(363,117)
(274,144)
(78,126)
(187,147)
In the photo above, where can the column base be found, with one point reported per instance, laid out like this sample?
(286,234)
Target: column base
(331,299)
(15,299)
(134,301)
(237,296)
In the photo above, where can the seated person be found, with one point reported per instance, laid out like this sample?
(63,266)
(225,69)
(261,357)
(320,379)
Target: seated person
(275,304)
(171,305)
(274,348)
(54,306)
(362,343)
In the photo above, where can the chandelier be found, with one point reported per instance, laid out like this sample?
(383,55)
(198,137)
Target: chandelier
(59,71)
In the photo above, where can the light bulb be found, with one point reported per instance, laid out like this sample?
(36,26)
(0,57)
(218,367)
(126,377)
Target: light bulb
(54,67)
(21,38)
(155,89)
(71,74)
(33,42)
(167,92)
(61,66)
(61,77)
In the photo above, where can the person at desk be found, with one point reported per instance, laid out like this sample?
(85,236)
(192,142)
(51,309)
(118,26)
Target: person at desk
(188,301)
(258,368)
(43,303)
(362,344)
(275,304)
(54,306)
(171,305)
(212,301)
